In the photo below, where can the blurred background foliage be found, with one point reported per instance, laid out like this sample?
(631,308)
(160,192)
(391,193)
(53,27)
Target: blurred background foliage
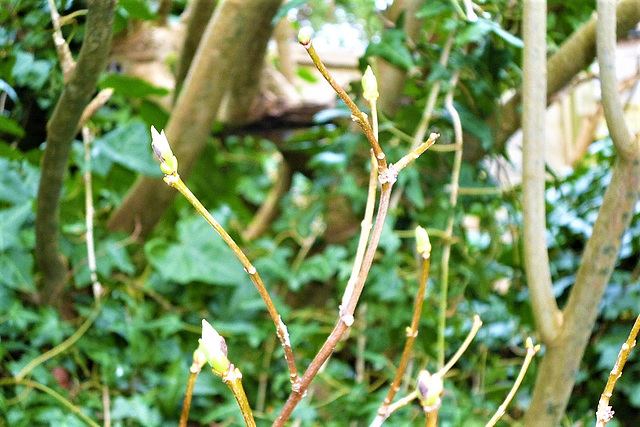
(138,351)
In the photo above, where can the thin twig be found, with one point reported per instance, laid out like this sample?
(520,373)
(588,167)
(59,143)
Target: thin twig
(264,373)
(605,413)
(96,103)
(531,351)
(106,406)
(346,319)
(283,334)
(51,392)
(453,202)
(402,402)
(233,378)
(477,323)
(62,346)
(64,53)
(89,213)
(357,115)
(186,406)
(387,178)
(365,229)
(412,334)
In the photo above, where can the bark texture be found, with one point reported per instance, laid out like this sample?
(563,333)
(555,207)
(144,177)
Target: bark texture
(61,130)
(235,26)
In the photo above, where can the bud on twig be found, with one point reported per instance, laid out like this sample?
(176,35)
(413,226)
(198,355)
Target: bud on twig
(304,36)
(370,85)
(423,245)
(214,348)
(160,145)
(429,388)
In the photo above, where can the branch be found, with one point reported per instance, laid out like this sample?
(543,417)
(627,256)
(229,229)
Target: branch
(174,180)
(453,202)
(531,351)
(412,331)
(613,111)
(604,413)
(200,12)
(356,114)
(545,308)
(61,130)
(64,53)
(573,56)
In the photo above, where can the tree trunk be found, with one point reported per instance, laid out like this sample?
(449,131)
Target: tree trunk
(560,364)
(232,31)
(391,79)
(61,130)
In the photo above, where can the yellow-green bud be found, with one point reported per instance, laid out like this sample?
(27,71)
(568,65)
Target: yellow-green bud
(160,145)
(304,36)
(429,388)
(214,347)
(370,85)
(423,245)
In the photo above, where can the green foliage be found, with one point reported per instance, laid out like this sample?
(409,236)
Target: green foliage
(141,343)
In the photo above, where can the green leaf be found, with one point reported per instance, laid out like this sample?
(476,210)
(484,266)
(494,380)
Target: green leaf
(129,146)
(11,127)
(30,72)
(476,31)
(306,74)
(433,8)
(138,9)
(11,221)
(199,255)
(16,270)
(136,408)
(153,114)
(474,125)
(18,181)
(392,48)
(110,256)
(131,86)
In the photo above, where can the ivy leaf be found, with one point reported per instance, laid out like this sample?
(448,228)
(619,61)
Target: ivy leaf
(476,31)
(16,270)
(129,146)
(30,72)
(18,181)
(131,86)
(200,255)
(392,48)
(110,256)
(11,221)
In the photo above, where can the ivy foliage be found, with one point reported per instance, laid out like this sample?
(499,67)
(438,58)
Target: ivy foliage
(139,348)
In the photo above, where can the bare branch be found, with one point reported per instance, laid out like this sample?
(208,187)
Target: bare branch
(613,110)
(545,307)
